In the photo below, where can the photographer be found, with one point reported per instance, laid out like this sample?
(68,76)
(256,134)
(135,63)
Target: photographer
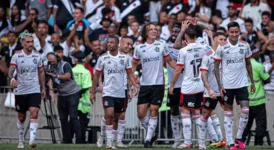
(61,76)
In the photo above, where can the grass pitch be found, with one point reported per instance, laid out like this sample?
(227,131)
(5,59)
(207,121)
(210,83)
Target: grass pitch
(94,147)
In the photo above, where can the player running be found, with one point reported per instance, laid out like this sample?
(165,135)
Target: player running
(190,59)
(113,65)
(152,54)
(30,77)
(234,56)
(212,95)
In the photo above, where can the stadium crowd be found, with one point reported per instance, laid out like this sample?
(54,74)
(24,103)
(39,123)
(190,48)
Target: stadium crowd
(76,37)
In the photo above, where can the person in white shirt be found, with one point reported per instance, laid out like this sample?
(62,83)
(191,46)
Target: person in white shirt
(192,88)
(114,65)
(234,56)
(152,55)
(91,9)
(232,16)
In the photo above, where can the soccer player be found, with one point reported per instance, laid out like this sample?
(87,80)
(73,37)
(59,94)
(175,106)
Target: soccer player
(234,56)
(212,95)
(152,54)
(113,65)
(174,100)
(190,59)
(30,78)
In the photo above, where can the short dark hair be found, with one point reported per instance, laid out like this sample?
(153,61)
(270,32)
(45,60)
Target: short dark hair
(12,32)
(58,47)
(233,24)
(221,28)
(106,11)
(248,20)
(81,9)
(43,22)
(266,13)
(219,34)
(125,37)
(36,10)
(114,37)
(191,31)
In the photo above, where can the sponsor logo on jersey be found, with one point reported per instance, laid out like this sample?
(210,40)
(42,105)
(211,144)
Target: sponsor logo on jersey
(190,104)
(234,61)
(241,51)
(189,50)
(27,70)
(151,59)
(157,49)
(157,44)
(34,56)
(20,56)
(106,57)
(114,71)
(226,47)
(142,46)
(122,56)
(240,45)
(196,55)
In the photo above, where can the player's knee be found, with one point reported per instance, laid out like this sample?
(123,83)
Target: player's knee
(34,114)
(22,118)
(245,110)
(122,116)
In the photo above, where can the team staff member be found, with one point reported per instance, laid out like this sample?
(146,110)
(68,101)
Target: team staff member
(82,77)
(257,100)
(68,98)
(152,55)
(234,56)
(30,77)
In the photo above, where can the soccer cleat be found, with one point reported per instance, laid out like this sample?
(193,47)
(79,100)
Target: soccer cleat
(109,144)
(176,144)
(147,144)
(32,145)
(223,143)
(202,146)
(214,144)
(183,145)
(240,144)
(20,145)
(154,138)
(233,147)
(100,141)
(120,145)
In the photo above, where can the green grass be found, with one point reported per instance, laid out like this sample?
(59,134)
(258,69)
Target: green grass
(93,147)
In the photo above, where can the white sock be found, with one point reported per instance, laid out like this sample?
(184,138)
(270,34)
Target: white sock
(175,127)
(211,131)
(242,122)
(196,118)
(114,135)
(144,122)
(121,130)
(151,127)
(103,127)
(187,128)
(109,129)
(217,127)
(202,130)
(228,124)
(21,129)
(33,128)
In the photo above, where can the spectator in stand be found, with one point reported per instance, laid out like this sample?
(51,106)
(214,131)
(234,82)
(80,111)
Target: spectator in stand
(154,10)
(172,7)
(112,30)
(21,6)
(5,25)
(32,20)
(56,40)
(91,7)
(3,73)
(123,31)
(16,17)
(44,7)
(167,28)
(78,17)
(135,32)
(251,37)
(266,27)
(8,51)
(233,16)
(202,13)
(88,56)
(254,10)
(217,18)
(102,33)
(41,37)
(268,47)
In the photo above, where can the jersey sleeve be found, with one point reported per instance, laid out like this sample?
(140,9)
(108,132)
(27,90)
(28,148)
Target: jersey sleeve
(248,53)
(128,64)
(40,62)
(13,61)
(218,54)
(263,74)
(165,52)
(136,55)
(99,65)
(205,63)
(181,58)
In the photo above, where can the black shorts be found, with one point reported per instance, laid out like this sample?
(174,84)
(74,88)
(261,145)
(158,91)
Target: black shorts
(241,94)
(211,103)
(119,104)
(24,102)
(174,100)
(192,101)
(152,94)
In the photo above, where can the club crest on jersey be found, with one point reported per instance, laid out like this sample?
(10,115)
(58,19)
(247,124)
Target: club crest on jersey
(157,49)
(35,61)
(241,51)
(122,62)
(196,55)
